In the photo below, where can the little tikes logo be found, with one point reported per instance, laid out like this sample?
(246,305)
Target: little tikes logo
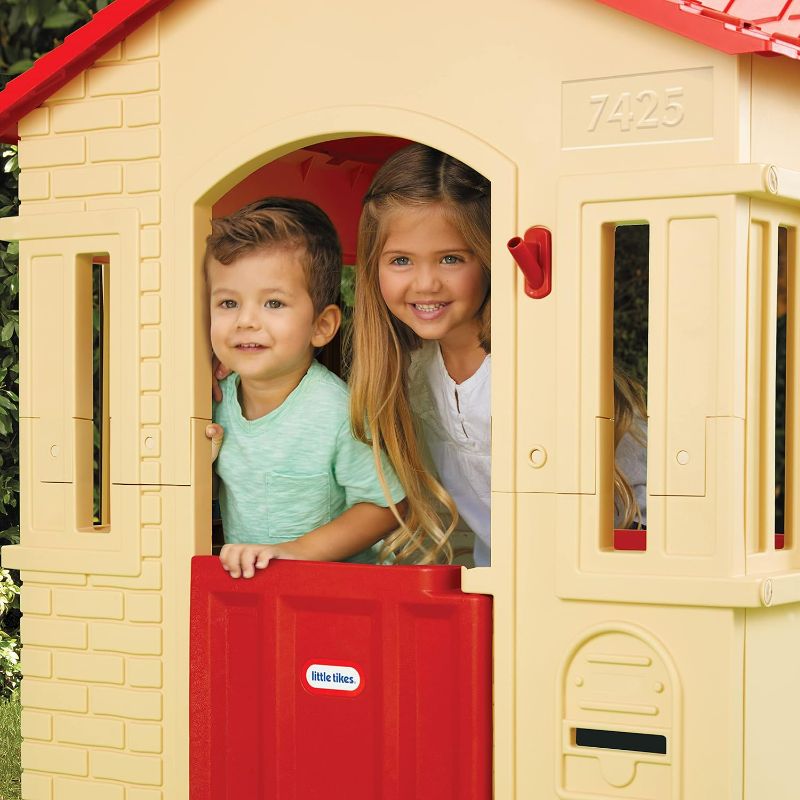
(336,679)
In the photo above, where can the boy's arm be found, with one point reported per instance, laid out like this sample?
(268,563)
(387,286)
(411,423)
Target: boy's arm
(351,532)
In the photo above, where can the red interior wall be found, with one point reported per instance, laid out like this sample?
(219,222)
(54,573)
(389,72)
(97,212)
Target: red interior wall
(334,174)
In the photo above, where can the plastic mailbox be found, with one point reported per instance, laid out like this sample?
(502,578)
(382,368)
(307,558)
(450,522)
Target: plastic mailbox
(336,680)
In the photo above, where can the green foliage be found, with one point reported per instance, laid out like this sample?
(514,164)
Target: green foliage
(9,466)
(9,287)
(29,28)
(9,642)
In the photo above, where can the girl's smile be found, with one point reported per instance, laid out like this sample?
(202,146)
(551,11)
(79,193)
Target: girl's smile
(430,278)
(429,311)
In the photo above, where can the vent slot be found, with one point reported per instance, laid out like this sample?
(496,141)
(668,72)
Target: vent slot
(620,740)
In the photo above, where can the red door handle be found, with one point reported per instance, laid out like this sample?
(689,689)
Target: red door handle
(533,254)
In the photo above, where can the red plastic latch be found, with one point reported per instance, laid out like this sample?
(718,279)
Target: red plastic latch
(533,254)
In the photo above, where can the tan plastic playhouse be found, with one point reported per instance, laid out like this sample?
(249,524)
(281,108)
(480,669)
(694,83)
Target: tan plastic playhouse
(584,118)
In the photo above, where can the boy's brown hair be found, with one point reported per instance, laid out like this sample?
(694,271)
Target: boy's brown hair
(283,222)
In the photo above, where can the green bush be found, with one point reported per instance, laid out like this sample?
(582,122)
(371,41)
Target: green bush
(29,28)
(9,641)
(9,463)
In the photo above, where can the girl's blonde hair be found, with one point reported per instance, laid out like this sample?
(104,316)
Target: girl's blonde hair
(381,410)
(380,405)
(630,411)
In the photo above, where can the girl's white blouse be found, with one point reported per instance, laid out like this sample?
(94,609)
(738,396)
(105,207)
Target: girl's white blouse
(455,419)
(456,424)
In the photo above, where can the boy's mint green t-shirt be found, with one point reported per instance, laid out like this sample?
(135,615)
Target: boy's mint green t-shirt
(296,468)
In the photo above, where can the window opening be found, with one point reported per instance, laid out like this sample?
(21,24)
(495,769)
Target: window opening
(100,381)
(630,331)
(781,390)
(94,494)
(335,175)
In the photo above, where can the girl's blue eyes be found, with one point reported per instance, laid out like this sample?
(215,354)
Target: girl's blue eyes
(404,261)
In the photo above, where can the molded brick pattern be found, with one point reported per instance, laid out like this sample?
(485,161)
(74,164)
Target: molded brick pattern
(52,578)
(88,603)
(144,794)
(94,679)
(37,725)
(90,732)
(34,185)
(36,662)
(53,632)
(36,786)
(89,667)
(126,703)
(55,758)
(137,639)
(91,115)
(92,700)
(143,738)
(55,696)
(128,768)
(36,600)
(96,145)
(71,789)
(144,673)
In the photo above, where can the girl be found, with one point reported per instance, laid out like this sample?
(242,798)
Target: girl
(422,350)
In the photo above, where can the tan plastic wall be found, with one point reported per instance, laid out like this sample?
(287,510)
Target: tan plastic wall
(582,118)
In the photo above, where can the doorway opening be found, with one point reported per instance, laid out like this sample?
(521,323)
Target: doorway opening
(335,175)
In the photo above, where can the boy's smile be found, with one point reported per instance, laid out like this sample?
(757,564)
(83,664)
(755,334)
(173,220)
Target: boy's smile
(262,316)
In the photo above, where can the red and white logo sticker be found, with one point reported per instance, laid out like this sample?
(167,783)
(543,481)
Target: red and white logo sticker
(338,679)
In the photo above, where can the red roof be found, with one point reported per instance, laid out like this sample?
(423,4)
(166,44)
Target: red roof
(78,52)
(769,27)
(733,26)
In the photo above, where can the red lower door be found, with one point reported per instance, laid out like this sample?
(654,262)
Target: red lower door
(314,681)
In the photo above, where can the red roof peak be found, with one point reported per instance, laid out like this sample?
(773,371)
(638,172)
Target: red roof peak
(78,52)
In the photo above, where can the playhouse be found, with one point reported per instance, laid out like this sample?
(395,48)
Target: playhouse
(655,666)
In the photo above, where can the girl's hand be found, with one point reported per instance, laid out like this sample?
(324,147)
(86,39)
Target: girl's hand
(242,560)
(216,434)
(218,373)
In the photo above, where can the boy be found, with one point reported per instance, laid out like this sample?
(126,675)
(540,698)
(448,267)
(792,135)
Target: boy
(294,483)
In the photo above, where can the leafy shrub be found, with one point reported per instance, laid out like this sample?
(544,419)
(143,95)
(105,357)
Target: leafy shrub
(9,460)
(9,641)
(29,28)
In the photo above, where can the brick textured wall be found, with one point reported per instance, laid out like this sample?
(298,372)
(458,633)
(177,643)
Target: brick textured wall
(93,718)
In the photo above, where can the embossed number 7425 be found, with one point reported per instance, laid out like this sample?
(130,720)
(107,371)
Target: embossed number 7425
(640,111)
